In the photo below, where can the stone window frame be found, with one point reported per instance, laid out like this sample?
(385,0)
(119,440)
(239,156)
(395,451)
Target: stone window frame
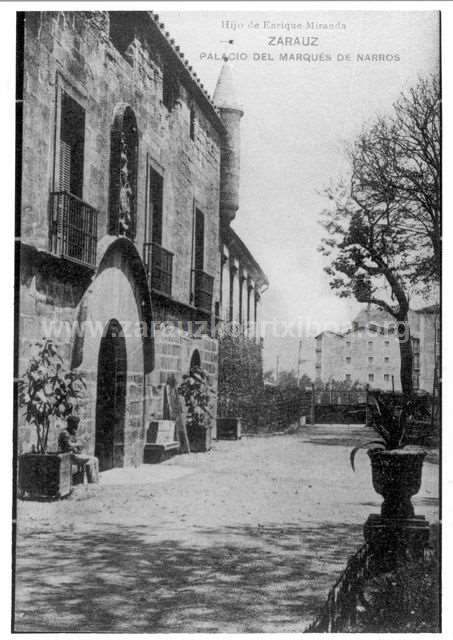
(153,165)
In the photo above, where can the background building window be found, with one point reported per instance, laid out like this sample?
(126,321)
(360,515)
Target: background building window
(72,143)
(348,359)
(386,359)
(386,343)
(371,377)
(370,345)
(347,377)
(370,359)
(386,377)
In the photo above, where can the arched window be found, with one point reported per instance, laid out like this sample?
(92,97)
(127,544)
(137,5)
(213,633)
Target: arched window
(123,173)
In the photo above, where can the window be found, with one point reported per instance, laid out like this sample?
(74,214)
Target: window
(192,124)
(170,89)
(348,344)
(373,328)
(391,331)
(371,377)
(199,241)
(156,188)
(386,343)
(347,377)
(71,148)
(348,359)
(370,359)
(370,345)
(386,359)
(122,30)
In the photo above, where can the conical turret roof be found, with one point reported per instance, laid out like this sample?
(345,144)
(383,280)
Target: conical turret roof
(225,96)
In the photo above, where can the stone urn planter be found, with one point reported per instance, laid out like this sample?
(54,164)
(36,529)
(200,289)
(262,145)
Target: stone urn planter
(397,476)
(396,534)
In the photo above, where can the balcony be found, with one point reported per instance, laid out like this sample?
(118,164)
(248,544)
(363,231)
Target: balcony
(159,264)
(72,228)
(203,287)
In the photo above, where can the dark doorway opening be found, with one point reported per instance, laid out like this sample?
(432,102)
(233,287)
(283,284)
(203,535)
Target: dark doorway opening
(195,361)
(111,398)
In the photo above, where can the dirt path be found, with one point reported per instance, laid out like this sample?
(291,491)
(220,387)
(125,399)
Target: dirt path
(246,538)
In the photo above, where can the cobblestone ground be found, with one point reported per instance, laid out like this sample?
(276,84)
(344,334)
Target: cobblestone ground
(246,538)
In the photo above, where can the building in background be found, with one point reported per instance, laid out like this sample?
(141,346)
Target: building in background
(368,352)
(130,175)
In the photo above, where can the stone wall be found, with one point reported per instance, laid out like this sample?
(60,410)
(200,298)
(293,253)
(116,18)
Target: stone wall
(72,52)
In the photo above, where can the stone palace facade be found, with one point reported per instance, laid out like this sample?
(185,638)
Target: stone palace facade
(130,180)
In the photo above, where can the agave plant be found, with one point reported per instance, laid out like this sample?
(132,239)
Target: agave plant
(390,424)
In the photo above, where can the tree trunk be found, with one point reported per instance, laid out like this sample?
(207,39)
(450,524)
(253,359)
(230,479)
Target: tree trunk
(405,343)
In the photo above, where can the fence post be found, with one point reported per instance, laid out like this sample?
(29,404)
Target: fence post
(312,408)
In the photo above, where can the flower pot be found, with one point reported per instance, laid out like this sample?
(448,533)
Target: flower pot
(199,437)
(44,476)
(228,428)
(397,476)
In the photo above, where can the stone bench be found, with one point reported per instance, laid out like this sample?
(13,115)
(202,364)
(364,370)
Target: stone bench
(160,442)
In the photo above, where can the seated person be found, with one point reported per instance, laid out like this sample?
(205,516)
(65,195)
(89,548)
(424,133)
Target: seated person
(68,443)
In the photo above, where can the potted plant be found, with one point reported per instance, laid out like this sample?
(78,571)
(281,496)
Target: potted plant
(46,391)
(396,467)
(197,395)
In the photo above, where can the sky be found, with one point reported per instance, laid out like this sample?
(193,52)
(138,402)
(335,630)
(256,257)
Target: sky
(298,115)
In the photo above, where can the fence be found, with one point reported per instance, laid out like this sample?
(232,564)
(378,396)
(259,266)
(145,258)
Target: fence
(340,609)
(346,597)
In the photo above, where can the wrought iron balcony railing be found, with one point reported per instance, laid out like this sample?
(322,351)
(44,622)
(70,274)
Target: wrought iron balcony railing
(72,228)
(159,264)
(203,287)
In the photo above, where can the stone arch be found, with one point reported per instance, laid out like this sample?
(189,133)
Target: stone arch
(118,291)
(123,172)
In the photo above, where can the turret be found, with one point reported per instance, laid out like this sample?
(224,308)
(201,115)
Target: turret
(231,113)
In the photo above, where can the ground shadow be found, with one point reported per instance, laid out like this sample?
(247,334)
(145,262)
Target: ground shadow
(232,579)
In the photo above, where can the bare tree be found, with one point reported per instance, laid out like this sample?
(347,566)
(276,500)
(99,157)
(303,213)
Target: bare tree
(384,227)
(396,168)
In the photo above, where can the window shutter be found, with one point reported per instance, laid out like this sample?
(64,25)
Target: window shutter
(65,167)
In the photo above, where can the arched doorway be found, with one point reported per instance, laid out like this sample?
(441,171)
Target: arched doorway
(195,360)
(111,398)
